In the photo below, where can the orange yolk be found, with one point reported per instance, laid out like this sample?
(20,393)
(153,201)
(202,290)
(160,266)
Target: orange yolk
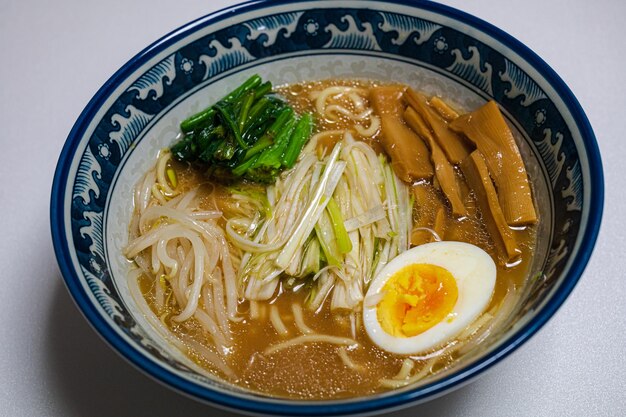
(416,298)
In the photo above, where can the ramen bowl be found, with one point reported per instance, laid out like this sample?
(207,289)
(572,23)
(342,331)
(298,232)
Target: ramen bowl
(433,48)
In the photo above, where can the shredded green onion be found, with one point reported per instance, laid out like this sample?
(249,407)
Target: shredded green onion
(343,240)
(171,175)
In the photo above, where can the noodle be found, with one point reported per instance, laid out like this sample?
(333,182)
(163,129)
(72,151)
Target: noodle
(297,315)
(192,299)
(179,284)
(156,193)
(165,259)
(156,264)
(343,354)
(322,97)
(144,192)
(277,322)
(370,131)
(202,351)
(186,200)
(357,100)
(352,116)
(211,327)
(310,338)
(254,310)
(429,230)
(405,370)
(164,187)
(218,301)
(138,297)
(397,383)
(207,299)
(209,356)
(159,295)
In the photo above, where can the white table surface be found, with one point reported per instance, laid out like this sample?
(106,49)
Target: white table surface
(53,58)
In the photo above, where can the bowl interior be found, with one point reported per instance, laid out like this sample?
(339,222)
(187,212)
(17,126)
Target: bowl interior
(433,49)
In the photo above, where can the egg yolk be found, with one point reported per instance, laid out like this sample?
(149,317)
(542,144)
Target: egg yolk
(416,298)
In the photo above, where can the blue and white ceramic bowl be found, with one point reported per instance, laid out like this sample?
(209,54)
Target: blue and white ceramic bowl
(431,47)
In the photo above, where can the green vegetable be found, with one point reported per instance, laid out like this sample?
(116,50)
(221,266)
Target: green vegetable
(300,136)
(268,165)
(171,175)
(198,119)
(227,118)
(245,108)
(344,244)
(327,243)
(272,132)
(249,134)
(311,258)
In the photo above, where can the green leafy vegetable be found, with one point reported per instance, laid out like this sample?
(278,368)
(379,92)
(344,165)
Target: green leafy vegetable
(251,133)
(300,136)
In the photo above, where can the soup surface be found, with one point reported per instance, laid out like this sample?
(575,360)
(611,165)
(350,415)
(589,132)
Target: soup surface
(282,357)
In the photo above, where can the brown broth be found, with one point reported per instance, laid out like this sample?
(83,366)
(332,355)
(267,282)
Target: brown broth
(315,371)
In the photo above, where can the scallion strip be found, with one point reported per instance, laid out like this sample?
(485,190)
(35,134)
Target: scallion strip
(325,187)
(343,240)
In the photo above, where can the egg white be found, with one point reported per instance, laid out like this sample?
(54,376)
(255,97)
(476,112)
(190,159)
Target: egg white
(475,275)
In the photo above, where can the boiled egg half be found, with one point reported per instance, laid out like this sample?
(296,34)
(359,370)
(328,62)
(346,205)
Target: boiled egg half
(427,295)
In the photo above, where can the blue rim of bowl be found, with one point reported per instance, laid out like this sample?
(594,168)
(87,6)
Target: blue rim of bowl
(72,281)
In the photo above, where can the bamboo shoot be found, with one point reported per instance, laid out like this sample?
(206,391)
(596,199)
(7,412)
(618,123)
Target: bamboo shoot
(477,176)
(455,147)
(444,110)
(409,155)
(493,138)
(444,170)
